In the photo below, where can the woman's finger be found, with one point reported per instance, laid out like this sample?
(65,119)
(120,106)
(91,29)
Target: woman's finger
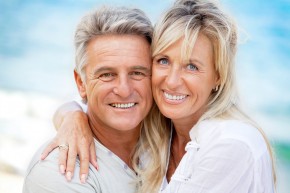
(51,146)
(93,156)
(70,164)
(63,151)
(84,164)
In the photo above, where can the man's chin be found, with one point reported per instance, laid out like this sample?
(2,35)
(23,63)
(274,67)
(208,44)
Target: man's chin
(125,124)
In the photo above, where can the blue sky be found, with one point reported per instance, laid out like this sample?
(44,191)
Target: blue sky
(36,49)
(37,59)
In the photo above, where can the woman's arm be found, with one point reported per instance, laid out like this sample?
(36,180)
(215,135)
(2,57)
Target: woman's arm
(73,130)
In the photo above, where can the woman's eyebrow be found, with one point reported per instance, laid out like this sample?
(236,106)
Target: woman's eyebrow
(194,61)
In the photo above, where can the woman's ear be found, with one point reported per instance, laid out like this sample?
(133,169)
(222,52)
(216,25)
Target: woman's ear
(217,82)
(81,85)
(217,79)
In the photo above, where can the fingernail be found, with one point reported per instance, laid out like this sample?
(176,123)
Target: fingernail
(96,165)
(61,168)
(83,178)
(68,176)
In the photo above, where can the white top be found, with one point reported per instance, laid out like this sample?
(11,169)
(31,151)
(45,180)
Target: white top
(223,156)
(113,176)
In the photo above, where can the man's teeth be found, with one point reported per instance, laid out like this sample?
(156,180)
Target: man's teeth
(174,97)
(123,105)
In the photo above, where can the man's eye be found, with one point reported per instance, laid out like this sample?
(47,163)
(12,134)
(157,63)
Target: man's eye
(107,76)
(191,67)
(137,75)
(163,61)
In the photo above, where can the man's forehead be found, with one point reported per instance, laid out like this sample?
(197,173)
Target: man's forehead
(118,39)
(134,46)
(129,52)
(119,60)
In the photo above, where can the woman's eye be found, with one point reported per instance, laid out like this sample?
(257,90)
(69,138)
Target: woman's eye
(163,61)
(191,67)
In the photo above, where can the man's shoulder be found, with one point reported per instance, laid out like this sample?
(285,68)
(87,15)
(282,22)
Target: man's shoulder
(36,157)
(44,176)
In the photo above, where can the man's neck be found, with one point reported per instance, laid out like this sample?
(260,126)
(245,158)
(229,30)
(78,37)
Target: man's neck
(121,143)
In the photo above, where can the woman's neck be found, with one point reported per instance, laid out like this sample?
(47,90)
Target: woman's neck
(181,130)
(180,138)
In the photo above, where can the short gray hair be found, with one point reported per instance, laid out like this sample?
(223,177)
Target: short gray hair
(105,21)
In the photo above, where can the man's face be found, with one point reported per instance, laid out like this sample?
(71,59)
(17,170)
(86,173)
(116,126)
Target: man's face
(118,83)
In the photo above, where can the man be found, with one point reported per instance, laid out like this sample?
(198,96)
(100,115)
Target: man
(112,73)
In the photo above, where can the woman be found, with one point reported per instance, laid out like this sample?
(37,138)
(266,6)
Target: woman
(214,146)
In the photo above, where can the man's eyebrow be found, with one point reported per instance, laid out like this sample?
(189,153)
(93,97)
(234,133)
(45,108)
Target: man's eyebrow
(105,68)
(102,69)
(142,68)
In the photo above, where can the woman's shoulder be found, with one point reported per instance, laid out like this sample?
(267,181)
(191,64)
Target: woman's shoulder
(230,128)
(237,131)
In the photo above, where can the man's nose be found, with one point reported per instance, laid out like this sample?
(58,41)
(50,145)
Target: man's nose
(123,86)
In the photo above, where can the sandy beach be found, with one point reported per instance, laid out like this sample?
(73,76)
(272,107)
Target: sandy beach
(10,183)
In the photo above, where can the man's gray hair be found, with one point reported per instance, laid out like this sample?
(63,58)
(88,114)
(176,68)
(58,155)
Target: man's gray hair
(106,21)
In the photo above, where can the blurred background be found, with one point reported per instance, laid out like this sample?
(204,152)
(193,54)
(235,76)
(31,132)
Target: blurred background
(36,72)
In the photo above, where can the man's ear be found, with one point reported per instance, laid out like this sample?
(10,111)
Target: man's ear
(81,85)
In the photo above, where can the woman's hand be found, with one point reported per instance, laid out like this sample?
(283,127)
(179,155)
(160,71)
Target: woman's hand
(74,138)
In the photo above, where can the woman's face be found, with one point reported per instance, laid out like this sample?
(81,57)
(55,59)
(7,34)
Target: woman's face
(181,88)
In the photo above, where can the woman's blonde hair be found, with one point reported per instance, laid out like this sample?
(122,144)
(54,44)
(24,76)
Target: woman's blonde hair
(154,141)
(189,18)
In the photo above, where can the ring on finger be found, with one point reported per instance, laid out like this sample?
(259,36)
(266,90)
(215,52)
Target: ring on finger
(63,146)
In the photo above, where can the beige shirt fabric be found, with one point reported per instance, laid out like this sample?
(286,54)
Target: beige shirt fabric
(113,175)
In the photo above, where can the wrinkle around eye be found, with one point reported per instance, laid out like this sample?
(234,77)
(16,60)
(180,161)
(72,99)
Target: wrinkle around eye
(91,76)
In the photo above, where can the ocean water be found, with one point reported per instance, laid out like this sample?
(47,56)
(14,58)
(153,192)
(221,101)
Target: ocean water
(36,64)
